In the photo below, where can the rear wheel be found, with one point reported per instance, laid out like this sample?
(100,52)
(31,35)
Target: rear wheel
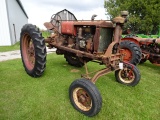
(130,75)
(85,97)
(132,52)
(33,50)
(73,60)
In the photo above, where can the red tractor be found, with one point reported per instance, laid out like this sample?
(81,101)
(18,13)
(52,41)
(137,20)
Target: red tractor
(80,41)
(150,48)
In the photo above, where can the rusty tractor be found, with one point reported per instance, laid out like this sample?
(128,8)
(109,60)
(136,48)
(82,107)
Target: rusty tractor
(150,48)
(80,41)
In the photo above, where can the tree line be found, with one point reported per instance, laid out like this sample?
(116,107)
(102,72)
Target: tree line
(144,15)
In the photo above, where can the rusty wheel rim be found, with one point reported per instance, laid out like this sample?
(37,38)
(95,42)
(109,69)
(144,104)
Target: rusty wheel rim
(127,55)
(126,76)
(82,99)
(28,52)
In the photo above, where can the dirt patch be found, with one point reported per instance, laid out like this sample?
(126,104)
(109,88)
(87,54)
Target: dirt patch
(2,55)
(74,70)
(16,54)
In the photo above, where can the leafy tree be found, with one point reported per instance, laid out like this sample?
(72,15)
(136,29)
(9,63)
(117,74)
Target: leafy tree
(144,15)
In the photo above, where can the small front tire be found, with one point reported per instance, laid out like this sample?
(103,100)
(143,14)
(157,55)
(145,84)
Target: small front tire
(85,97)
(130,75)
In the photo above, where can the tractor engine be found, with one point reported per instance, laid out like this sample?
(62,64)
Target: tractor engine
(84,39)
(78,37)
(81,35)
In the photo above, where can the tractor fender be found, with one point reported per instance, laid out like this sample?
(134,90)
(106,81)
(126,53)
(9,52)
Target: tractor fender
(132,40)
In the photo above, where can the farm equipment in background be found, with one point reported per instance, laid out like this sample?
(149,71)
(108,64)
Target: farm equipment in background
(80,41)
(150,48)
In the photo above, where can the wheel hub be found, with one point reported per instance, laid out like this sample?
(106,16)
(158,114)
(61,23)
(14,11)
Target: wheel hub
(28,52)
(127,76)
(31,54)
(82,99)
(127,55)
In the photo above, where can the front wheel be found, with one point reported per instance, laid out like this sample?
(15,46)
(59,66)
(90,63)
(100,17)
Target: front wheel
(130,75)
(85,97)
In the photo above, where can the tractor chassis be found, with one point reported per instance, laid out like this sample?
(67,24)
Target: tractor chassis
(108,58)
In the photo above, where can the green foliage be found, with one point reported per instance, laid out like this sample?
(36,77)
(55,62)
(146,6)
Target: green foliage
(143,14)
(45,34)
(46,98)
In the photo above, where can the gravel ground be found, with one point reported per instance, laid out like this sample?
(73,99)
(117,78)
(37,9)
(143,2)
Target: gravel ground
(16,54)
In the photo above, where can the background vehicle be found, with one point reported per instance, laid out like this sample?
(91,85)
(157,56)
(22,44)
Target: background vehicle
(150,48)
(80,42)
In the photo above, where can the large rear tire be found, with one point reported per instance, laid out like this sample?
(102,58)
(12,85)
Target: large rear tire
(85,97)
(132,52)
(33,50)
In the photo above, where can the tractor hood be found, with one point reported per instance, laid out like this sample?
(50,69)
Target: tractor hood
(98,23)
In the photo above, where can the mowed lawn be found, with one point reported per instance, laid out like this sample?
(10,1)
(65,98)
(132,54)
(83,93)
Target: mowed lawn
(46,98)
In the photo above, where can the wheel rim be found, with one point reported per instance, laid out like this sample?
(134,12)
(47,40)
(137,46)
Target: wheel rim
(126,76)
(28,52)
(127,55)
(82,99)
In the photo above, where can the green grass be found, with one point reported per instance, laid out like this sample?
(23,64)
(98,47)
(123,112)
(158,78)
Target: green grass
(46,98)
(144,36)
(45,34)
(10,48)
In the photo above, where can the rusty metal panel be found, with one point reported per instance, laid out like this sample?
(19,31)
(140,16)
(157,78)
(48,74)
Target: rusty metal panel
(98,23)
(96,39)
(68,28)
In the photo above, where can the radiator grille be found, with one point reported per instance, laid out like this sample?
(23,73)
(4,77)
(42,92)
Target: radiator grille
(105,39)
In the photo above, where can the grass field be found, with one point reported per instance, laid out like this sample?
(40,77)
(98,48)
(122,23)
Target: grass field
(46,98)
(10,48)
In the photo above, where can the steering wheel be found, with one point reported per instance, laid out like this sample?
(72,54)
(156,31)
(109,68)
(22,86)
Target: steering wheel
(56,20)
